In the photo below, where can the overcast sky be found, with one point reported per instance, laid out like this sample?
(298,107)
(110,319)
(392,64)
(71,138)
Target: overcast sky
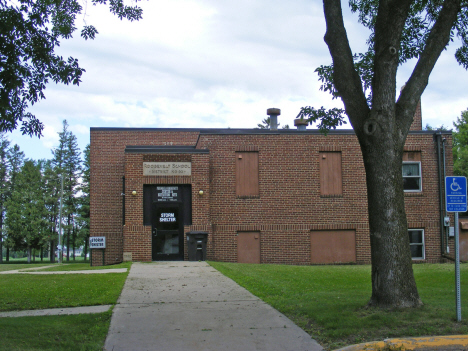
(210,64)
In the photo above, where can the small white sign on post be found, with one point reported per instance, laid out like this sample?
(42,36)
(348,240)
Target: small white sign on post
(97,242)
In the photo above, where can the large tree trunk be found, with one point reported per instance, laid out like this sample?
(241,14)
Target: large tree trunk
(29,254)
(393,283)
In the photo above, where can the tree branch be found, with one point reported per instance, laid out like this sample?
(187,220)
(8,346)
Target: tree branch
(345,78)
(436,42)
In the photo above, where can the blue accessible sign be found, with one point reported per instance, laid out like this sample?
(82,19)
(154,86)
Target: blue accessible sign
(455,194)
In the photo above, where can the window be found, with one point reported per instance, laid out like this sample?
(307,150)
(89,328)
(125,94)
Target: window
(247,174)
(416,238)
(330,174)
(411,170)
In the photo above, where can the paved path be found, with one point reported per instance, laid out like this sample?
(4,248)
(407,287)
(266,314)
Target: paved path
(191,306)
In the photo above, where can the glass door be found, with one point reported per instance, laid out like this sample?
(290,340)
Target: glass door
(167,232)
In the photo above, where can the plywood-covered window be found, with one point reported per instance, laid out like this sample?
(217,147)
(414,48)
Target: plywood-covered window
(330,173)
(333,246)
(247,174)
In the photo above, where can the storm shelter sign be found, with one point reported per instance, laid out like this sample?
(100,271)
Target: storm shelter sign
(167,168)
(97,242)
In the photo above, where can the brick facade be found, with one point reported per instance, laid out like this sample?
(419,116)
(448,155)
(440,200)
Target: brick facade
(288,210)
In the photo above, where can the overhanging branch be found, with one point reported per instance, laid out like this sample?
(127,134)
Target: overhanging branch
(345,78)
(436,42)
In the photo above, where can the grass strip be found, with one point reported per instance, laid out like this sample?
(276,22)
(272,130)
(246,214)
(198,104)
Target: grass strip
(14,266)
(329,302)
(29,292)
(85,332)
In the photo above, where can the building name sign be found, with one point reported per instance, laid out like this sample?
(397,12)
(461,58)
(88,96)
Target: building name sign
(97,242)
(167,168)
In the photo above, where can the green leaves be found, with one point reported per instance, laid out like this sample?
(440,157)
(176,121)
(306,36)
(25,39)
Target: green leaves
(30,31)
(329,119)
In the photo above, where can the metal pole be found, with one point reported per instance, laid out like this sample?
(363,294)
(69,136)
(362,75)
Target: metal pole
(60,222)
(457,269)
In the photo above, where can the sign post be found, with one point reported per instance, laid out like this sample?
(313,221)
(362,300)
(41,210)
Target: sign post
(455,199)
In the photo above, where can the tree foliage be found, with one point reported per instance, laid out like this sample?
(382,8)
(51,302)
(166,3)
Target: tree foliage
(402,31)
(30,32)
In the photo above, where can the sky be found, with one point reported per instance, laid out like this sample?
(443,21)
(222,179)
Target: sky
(210,64)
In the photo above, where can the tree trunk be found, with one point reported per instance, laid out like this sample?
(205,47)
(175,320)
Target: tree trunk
(52,251)
(29,254)
(393,283)
(7,258)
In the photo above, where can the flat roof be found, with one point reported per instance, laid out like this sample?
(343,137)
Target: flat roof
(244,131)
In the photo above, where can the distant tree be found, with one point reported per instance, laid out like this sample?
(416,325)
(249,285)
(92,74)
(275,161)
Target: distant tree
(15,158)
(83,201)
(440,128)
(4,172)
(67,161)
(266,124)
(26,210)
(31,32)
(460,145)
(51,186)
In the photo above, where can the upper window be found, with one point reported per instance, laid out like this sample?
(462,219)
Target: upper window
(411,176)
(330,173)
(416,238)
(411,170)
(247,174)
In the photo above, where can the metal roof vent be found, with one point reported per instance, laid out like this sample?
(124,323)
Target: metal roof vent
(273,113)
(301,123)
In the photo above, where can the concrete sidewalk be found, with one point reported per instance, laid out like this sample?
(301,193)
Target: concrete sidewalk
(191,306)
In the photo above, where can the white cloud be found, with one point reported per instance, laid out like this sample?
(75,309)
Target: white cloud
(210,64)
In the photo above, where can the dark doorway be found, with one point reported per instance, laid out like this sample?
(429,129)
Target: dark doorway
(167,231)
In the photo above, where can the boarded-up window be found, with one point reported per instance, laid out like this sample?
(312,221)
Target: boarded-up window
(330,173)
(334,246)
(247,174)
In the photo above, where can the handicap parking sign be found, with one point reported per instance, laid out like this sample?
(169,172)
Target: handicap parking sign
(455,194)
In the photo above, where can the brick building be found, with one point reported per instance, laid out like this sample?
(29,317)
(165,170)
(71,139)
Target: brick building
(268,196)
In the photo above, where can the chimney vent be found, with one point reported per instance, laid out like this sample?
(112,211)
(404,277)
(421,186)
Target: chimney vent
(273,113)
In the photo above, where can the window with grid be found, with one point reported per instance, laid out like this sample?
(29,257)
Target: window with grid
(416,238)
(411,171)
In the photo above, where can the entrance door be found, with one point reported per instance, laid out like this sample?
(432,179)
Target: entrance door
(167,232)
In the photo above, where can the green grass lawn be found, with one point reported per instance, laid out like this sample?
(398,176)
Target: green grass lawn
(74,332)
(329,302)
(30,292)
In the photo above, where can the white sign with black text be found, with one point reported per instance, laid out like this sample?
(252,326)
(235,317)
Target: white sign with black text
(97,242)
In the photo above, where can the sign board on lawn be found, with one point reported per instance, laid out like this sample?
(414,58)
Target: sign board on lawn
(97,242)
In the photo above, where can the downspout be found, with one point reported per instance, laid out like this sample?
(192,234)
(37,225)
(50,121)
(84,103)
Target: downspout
(123,200)
(441,195)
(443,179)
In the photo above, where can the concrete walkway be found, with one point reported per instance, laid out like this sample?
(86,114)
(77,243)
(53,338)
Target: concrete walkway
(191,306)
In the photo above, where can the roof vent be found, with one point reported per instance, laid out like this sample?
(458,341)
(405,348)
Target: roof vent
(273,113)
(301,123)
